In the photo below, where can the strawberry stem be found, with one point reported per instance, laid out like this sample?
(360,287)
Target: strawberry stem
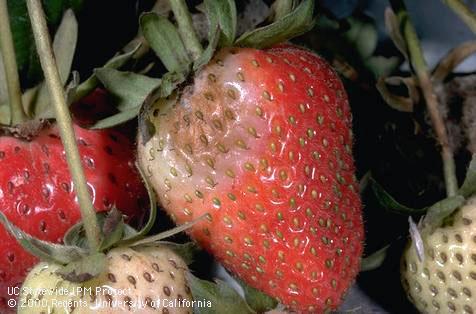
(10,64)
(462,10)
(186,29)
(420,68)
(63,117)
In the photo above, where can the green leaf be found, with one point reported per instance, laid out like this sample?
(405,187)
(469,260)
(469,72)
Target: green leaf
(46,251)
(440,211)
(294,24)
(165,40)
(389,203)
(222,297)
(130,89)
(26,56)
(84,269)
(257,300)
(64,46)
(92,82)
(469,185)
(222,14)
(374,260)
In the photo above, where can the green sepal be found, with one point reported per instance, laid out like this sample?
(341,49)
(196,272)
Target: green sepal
(281,8)
(389,203)
(71,88)
(152,240)
(46,251)
(257,300)
(293,24)
(84,269)
(152,212)
(130,89)
(439,212)
(469,185)
(92,82)
(76,236)
(165,40)
(186,251)
(374,260)
(222,297)
(222,14)
(169,83)
(207,55)
(64,46)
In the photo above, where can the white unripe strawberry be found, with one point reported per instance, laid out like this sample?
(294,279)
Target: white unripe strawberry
(142,280)
(445,280)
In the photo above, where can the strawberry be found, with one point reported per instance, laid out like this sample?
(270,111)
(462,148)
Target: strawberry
(261,143)
(37,191)
(142,280)
(445,280)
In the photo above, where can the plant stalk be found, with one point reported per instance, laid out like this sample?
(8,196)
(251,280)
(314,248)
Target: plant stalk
(63,118)
(420,68)
(186,29)
(462,10)
(10,64)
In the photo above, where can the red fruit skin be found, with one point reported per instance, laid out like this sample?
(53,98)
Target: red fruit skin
(287,218)
(36,190)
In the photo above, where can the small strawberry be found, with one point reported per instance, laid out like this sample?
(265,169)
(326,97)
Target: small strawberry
(444,281)
(36,190)
(260,141)
(142,280)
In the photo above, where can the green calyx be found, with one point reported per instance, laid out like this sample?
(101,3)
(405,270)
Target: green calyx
(170,44)
(179,50)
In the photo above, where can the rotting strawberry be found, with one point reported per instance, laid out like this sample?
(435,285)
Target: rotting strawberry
(443,279)
(141,280)
(37,192)
(260,141)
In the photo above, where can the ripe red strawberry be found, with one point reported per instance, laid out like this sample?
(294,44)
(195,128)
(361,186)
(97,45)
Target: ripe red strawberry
(36,190)
(261,142)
